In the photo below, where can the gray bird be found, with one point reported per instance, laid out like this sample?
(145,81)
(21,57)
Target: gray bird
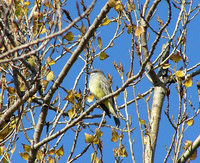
(99,87)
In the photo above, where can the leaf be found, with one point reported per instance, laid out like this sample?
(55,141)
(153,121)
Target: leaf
(188,82)
(69,36)
(176,57)
(89,138)
(103,56)
(51,151)
(183,40)
(50,159)
(165,66)
(190,122)
(13,150)
(50,76)
(94,158)
(159,21)
(72,113)
(31,61)
(115,136)
(26,148)
(50,61)
(1,150)
(24,155)
(180,73)
(111,3)
(70,97)
(148,98)
(59,152)
(44,84)
(11,90)
(140,96)
(122,151)
(44,30)
(96,141)
(129,7)
(187,144)
(129,29)
(83,29)
(99,42)
(98,132)
(139,30)
(142,121)
(118,6)
(90,98)
(27,3)
(106,21)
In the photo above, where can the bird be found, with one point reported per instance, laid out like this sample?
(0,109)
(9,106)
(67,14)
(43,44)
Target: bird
(100,87)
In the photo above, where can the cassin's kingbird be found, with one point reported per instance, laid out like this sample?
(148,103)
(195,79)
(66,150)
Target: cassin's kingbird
(99,87)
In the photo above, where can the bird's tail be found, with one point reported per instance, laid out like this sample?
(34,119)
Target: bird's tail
(117,122)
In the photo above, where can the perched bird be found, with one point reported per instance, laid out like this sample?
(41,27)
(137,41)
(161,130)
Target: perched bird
(99,87)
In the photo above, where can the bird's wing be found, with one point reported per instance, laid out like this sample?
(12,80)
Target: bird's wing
(105,86)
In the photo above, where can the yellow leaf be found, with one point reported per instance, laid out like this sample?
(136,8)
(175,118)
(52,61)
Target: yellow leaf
(183,40)
(142,121)
(50,61)
(90,98)
(106,21)
(27,3)
(180,73)
(103,56)
(50,159)
(122,151)
(1,150)
(96,141)
(99,42)
(70,97)
(111,3)
(24,155)
(26,148)
(165,66)
(130,7)
(89,138)
(31,61)
(44,30)
(44,84)
(115,136)
(129,29)
(188,82)
(72,113)
(51,151)
(98,132)
(190,122)
(118,6)
(148,98)
(11,90)
(93,156)
(139,30)
(140,96)
(176,57)
(69,36)
(59,151)
(13,150)
(50,76)
(187,144)
(22,87)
